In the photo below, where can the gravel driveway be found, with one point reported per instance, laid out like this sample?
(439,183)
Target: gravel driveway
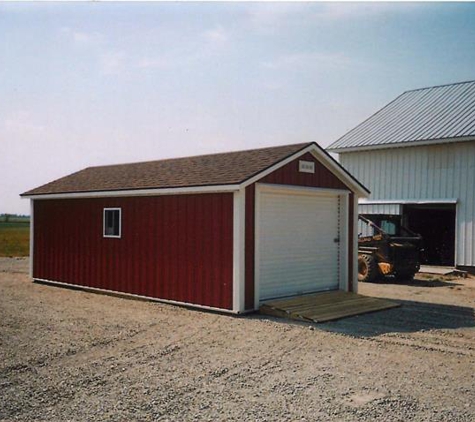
(71,355)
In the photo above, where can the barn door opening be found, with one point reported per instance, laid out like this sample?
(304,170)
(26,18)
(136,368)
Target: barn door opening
(436,224)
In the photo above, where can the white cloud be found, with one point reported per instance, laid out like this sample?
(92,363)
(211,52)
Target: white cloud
(269,16)
(155,63)
(335,11)
(21,123)
(216,35)
(308,59)
(113,62)
(207,45)
(80,37)
(272,16)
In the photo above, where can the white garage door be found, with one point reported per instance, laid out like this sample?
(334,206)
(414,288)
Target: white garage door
(298,249)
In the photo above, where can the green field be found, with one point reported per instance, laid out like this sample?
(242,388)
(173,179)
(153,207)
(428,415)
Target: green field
(14,238)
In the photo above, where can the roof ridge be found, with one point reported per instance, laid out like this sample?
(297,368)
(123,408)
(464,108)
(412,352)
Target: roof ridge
(200,155)
(438,86)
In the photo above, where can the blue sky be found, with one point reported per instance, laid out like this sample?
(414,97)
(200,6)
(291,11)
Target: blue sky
(84,84)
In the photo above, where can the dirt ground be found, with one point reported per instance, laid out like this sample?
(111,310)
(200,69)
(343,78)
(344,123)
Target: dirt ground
(72,355)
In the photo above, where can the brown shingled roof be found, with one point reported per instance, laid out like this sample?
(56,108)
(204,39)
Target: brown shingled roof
(204,170)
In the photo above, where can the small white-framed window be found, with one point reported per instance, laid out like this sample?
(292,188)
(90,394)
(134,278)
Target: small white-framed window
(112,225)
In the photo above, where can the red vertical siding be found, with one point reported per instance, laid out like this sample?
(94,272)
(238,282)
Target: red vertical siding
(288,175)
(172,247)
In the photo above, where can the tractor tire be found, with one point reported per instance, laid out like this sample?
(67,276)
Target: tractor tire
(367,268)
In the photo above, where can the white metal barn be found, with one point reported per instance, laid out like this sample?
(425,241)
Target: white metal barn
(417,156)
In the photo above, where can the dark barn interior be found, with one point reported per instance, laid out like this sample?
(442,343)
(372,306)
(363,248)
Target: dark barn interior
(436,224)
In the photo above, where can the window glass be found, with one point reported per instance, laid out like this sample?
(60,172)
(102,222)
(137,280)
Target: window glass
(112,222)
(388,226)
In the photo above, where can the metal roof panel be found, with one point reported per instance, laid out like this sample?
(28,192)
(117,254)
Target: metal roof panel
(440,112)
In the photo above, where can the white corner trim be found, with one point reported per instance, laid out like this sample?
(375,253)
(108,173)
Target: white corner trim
(239,214)
(138,192)
(344,245)
(32,235)
(355,245)
(456,240)
(257,243)
(132,295)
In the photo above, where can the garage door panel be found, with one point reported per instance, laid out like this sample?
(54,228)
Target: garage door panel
(297,251)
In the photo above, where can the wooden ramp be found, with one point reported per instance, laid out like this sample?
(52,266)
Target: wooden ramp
(325,306)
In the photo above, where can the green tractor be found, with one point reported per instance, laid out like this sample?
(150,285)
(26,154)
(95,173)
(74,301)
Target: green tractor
(383,254)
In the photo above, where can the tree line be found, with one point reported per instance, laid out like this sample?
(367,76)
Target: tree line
(9,218)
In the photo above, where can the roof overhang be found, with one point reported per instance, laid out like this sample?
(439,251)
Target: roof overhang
(137,192)
(402,144)
(326,160)
(319,153)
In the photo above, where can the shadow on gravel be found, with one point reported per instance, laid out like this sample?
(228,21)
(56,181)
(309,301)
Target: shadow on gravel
(409,317)
(417,282)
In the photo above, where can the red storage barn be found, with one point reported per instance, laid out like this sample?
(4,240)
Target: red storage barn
(223,231)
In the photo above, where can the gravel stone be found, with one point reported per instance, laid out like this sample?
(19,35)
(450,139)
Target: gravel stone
(69,355)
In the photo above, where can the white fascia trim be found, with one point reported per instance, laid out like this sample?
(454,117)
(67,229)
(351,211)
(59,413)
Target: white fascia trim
(239,212)
(407,201)
(131,295)
(336,168)
(278,165)
(32,235)
(299,190)
(327,161)
(138,192)
(402,144)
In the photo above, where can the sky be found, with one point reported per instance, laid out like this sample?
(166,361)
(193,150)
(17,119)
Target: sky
(87,84)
